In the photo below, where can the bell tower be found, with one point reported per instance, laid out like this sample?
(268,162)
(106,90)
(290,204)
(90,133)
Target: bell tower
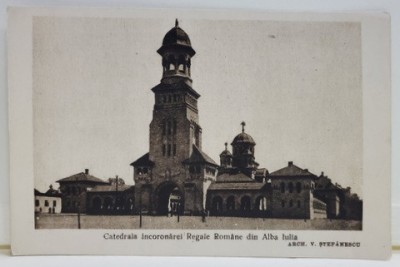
(175,165)
(176,53)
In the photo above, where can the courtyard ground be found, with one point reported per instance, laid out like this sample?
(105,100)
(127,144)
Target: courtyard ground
(70,221)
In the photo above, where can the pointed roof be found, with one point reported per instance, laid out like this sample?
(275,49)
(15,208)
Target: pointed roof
(82,177)
(293,171)
(199,156)
(143,161)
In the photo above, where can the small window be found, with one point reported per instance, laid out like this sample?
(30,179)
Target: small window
(164,128)
(37,203)
(282,187)
(169,150)
(54,203)
(169,128)
(290,187)
(174,127)
(46,203)
(298,187)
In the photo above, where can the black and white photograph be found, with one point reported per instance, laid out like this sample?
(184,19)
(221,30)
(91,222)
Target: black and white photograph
(178,122)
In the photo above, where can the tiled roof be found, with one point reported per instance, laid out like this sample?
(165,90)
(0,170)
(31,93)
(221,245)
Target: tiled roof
(38,193)
(143,161)
(291,170)
(236,177)
(199,156)
(237,186)
(82,177)
(111,188)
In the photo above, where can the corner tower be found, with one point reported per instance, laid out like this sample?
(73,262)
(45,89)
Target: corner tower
(173,176)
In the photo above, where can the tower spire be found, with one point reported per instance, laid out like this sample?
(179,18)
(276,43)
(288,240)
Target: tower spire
(176,23)
(243,124)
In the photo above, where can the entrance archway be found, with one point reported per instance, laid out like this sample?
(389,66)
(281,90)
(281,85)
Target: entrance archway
(170,199)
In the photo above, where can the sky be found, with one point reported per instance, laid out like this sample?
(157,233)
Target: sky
(297,85)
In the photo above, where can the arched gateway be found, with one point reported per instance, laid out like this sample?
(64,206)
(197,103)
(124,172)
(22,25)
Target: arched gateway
(169,199)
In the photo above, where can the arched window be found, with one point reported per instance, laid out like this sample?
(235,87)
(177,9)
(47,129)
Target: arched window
(169,150)
(298,187)
(164,127)
(282,187)
(108,203)
(217,204)
(181,68)
(230,203)
(261,203)
(169,128)
(96,204)
(290,187)
(245,203)
(46,203)
(171,66)
(174,126)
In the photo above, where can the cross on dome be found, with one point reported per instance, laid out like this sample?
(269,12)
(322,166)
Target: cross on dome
(243,124)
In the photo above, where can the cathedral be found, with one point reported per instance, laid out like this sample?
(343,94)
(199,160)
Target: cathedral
(177,177)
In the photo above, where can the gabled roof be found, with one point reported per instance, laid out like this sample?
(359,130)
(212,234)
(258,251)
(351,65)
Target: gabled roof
(236,186)
(173,87)
(82,177)
(234,177)
(292,171)
(199,156)
(143,161)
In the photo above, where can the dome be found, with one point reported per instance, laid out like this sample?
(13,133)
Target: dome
(176,36)
(243,138)
(225,153)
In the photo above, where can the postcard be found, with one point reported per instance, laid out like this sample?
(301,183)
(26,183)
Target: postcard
(199,132)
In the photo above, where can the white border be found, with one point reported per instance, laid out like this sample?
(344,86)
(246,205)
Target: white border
(376,104)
